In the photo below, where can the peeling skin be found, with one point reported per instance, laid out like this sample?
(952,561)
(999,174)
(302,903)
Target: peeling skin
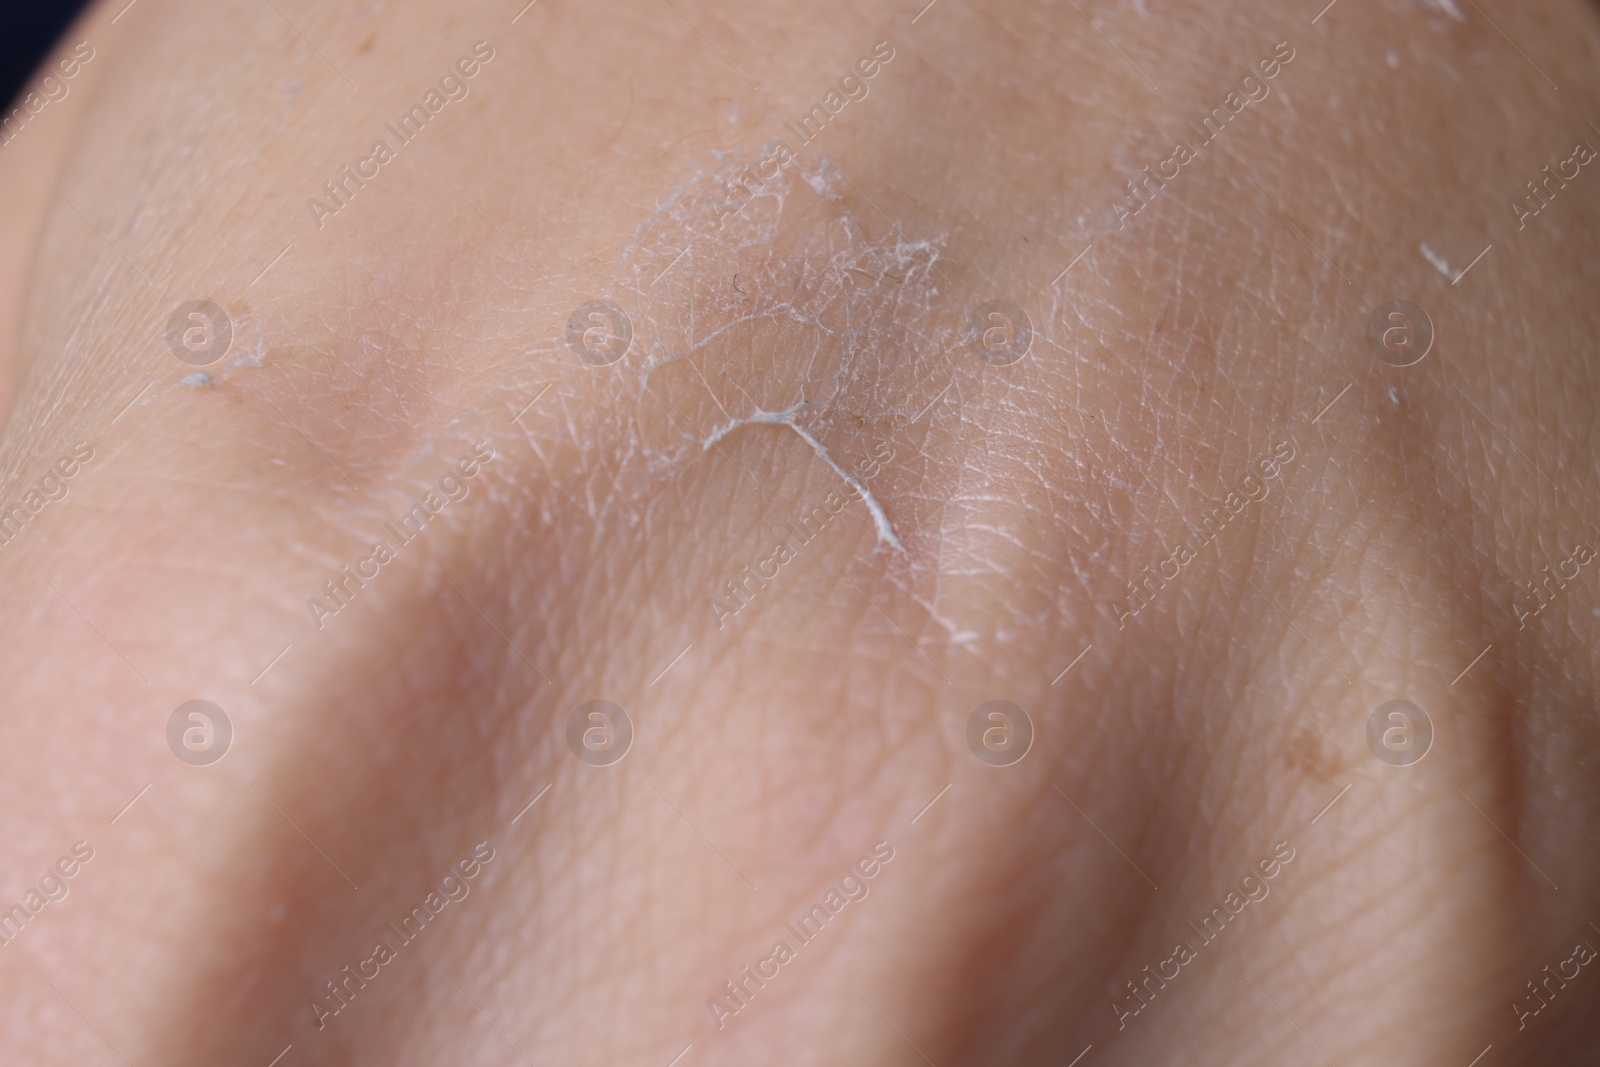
(247,334)
(880,520)
(825,300)
(1440,264)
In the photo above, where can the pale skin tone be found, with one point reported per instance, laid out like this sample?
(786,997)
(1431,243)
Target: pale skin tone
(1176,746)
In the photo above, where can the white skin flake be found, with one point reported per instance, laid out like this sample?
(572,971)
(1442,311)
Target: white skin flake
(799,310)
(810,287)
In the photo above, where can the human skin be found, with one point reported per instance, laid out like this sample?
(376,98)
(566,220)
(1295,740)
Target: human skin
(1228,316)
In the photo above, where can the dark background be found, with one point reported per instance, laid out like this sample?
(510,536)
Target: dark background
(27,32)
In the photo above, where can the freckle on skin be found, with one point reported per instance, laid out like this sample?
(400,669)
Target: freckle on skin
(1306,752)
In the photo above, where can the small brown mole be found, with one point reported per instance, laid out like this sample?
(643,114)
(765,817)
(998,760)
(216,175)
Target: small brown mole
(1306,753)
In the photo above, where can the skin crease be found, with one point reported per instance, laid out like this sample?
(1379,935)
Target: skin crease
(1229,316)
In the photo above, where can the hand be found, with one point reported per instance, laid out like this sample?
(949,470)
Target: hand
(1053,359)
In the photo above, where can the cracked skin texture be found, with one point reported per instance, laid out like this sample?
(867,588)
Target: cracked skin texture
(1187,742)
